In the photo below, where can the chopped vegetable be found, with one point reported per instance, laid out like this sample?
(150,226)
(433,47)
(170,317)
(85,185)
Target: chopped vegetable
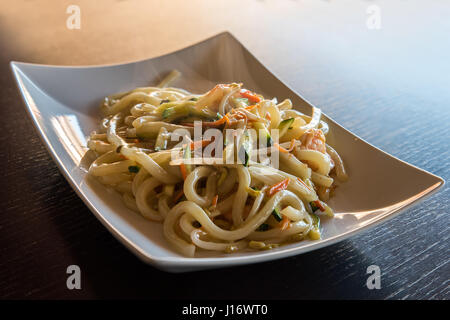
(164,101)
(263,227)
(314,208)
(238,115)
(302,182)
(178,196)
(250,95)
(320,205)
(214,200)
(199,144)
(277,215)
(285,223)
(260,126)
(314,233)
(183,170)
(278,187)
(291,147)
(187,156)
(133,169)
(253,192)
(284,126)
(217,123)
(280,148)
(284,150)
(251,107)
(317,205)
(245,148)
(316,220)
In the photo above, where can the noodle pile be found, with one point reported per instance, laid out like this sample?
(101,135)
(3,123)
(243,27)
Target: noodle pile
(237,196)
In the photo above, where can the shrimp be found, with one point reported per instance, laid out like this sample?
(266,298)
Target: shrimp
(314,139)
(217,97)
(213,97)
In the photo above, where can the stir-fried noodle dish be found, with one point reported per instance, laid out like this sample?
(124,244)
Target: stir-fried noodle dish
(226,170)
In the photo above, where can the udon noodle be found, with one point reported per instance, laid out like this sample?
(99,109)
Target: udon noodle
(263,185)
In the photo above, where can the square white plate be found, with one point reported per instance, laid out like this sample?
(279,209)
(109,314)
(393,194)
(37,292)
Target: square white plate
(63,104)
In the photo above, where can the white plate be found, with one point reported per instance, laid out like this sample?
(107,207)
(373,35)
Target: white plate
(63,103)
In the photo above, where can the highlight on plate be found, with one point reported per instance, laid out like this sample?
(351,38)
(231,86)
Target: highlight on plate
(226,170)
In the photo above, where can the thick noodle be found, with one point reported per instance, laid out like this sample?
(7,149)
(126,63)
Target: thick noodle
(211,205)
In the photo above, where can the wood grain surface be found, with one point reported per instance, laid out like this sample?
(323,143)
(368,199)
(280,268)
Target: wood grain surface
(390,86)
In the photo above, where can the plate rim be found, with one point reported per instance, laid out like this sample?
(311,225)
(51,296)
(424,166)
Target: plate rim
(174,264)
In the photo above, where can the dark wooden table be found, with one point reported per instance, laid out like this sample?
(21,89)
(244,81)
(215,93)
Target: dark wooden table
(391,86)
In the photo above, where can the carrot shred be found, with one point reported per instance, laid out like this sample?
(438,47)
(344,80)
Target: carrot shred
(281,148)
(214,200)
(319,205)
(301,181)
(241,115)
(183,170)
(251,107)
(268,117)
(284,224)
(178,196)
(217,123)
(121,156)
(291,147)
(250,95)
(199,144)
(278,187)
(284,150)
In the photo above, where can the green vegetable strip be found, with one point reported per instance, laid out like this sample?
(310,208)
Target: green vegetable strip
(133,169)
(277,215)
(260,126)
(284,126)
